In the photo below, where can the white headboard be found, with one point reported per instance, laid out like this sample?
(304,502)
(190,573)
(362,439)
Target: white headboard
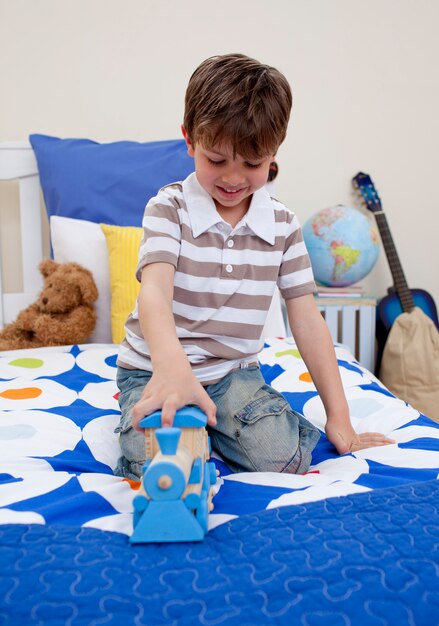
(17,161)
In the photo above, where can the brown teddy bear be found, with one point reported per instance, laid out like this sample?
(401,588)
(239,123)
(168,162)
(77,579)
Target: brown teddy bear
(63,313)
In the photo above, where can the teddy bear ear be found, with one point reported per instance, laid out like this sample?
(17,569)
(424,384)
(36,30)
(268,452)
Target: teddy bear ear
(87,286)
(47,267)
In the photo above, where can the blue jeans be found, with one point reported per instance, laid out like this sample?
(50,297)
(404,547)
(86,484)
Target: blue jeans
(256,431)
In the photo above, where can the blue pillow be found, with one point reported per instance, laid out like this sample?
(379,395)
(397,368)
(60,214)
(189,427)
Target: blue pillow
(106,182)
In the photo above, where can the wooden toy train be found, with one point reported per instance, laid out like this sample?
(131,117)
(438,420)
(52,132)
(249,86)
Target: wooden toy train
(176,490)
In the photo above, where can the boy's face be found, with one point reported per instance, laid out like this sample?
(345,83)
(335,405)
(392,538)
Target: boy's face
(229,180)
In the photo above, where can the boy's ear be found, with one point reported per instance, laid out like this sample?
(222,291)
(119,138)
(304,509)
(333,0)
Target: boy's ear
(190,147)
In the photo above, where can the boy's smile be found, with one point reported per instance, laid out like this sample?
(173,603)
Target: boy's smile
(230,180)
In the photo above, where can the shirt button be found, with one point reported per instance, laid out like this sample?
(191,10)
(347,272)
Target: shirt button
(229,268)
(230,243)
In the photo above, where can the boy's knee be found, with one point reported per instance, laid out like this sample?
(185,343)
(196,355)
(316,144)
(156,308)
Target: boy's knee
(301,461)
(132,446)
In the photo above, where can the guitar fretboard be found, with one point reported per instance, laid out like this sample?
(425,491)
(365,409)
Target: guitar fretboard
(399,280)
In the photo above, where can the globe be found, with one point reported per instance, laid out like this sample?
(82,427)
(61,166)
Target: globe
(343,245)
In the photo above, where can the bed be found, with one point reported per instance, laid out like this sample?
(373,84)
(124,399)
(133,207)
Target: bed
(353,541)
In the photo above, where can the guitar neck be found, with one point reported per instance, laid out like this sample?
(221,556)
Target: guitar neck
(399,280)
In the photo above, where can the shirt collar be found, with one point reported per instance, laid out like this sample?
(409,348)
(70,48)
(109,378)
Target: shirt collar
(203,214)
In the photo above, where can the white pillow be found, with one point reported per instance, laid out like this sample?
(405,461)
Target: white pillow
(83,242)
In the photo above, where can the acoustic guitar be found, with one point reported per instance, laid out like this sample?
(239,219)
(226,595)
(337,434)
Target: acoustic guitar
(407,324)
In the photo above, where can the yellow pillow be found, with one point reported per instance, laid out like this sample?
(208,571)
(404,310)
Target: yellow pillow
(123,247)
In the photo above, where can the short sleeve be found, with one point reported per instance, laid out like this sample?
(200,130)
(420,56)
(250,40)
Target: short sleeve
(295,274)
(161,238)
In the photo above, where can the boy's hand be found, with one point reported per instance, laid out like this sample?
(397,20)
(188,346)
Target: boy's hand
(171,390)
(345,439)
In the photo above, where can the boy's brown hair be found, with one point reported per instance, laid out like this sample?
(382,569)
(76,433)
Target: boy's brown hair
(238,100)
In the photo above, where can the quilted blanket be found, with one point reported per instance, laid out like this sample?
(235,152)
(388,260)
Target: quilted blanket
(368,559)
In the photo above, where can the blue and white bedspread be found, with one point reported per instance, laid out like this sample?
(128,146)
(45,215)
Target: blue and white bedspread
(263,562)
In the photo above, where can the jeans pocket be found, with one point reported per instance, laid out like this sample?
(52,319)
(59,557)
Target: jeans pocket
(268,405)
(267,432)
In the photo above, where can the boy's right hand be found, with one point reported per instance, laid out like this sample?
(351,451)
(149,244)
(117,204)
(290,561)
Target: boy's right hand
(170,390)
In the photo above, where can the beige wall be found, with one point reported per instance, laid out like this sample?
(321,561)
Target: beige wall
(364,75)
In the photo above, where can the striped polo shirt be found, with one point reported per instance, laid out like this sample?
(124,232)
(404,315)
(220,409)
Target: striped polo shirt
(224,277)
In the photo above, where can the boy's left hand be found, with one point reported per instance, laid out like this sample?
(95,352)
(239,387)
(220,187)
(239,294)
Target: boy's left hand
(345,439)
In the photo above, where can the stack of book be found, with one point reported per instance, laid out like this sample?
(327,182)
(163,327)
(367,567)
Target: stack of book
(353,291)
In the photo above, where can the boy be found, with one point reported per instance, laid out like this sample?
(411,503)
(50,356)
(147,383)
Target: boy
(213,250)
